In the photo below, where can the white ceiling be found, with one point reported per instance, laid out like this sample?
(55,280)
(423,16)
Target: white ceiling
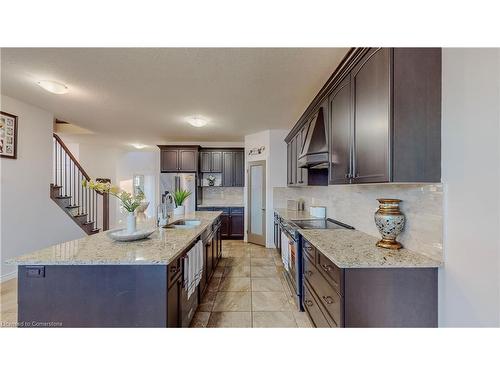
(132,95)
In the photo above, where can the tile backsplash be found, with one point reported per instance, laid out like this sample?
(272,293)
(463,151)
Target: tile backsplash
(355,205)
(222,195)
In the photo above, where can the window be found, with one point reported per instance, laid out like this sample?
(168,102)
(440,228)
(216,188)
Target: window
(138,183)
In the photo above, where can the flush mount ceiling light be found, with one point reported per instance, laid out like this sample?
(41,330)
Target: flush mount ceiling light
(53,87)
(197,121)
(139,146)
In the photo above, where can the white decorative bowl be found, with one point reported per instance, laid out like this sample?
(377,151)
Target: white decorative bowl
(122,234)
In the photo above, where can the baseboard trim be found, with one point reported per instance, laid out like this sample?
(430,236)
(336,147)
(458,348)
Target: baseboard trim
(8,276)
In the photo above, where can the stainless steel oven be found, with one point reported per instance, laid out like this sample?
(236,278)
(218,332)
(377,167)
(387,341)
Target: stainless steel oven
(291,258)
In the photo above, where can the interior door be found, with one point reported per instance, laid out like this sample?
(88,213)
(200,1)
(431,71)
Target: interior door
(257,202)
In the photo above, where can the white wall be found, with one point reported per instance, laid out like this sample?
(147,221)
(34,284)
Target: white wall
(469,284)
(275,157)
(145,163)
(29,219)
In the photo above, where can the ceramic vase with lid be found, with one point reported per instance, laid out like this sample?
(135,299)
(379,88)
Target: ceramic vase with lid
(390,222)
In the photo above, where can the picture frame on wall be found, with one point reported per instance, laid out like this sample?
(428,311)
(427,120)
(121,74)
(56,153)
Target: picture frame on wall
(8,135)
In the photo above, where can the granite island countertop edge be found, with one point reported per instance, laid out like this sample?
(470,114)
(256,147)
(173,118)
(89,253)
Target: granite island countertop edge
(161,248)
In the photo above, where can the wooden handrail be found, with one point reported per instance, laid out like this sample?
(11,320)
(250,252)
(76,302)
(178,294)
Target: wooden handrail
(82,199)
(72,157)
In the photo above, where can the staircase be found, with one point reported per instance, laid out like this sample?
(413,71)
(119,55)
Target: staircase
(87,208)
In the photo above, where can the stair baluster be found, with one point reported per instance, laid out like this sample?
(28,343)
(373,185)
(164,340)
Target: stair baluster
(86,207)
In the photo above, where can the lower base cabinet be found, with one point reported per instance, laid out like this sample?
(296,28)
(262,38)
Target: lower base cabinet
(367,297)
(232,221)
(180,308)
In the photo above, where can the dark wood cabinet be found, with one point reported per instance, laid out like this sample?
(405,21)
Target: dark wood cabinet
(178,159)
(371,89)
(384,118)
(224,229)
(239,168)
(210,161)
(340,133)
(236,225)
(173,307)
(227,168)
(367,297)
(233,168)
(169,160)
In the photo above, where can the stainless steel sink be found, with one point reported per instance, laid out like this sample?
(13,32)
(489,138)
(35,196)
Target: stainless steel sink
(183,224)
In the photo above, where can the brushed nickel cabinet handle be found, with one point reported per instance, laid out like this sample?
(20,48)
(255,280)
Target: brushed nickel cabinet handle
(308,302)
(329,300)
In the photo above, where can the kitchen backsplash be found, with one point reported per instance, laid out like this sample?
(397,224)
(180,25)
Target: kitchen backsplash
(222,196)
(355,205)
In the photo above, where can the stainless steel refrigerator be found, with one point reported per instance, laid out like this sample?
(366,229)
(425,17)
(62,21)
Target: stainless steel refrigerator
(170,182)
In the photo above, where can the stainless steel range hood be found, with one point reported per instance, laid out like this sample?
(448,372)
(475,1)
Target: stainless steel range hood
(314,154)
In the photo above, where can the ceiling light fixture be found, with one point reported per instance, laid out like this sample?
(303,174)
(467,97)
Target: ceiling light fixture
(197,121)
(139,146)
(53,87)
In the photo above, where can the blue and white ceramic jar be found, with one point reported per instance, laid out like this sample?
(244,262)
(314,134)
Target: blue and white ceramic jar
(390,222)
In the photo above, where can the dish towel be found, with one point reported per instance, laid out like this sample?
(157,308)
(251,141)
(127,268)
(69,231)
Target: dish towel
(285,251)
(193,268)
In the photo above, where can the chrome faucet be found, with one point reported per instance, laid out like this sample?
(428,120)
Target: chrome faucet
(165,209)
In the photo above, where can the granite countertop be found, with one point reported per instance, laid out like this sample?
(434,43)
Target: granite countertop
(163,246)
(221,205)
(294,215)
(354,249)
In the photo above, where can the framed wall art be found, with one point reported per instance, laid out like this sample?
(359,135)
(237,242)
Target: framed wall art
(8,135)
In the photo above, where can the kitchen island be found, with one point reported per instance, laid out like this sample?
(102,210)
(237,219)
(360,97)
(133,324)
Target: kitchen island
(98,282)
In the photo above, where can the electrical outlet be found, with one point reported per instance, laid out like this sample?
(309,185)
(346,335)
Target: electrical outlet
(35,271)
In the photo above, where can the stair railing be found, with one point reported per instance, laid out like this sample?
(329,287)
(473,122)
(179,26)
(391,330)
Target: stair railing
(68,176)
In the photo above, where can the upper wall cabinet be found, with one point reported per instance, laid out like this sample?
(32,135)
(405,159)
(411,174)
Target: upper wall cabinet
(178,158)
(371,95)
(384,118)
(233,168)
(211,161)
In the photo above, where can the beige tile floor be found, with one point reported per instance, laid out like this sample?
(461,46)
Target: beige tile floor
(247,290)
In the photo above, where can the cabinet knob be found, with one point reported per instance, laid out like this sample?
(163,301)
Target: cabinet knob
(308,273)
(327,267)
(329,300)
(308,302)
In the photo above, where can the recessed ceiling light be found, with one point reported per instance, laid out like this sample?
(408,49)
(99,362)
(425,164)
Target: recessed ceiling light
(139,146)
(197,121)
(53,87)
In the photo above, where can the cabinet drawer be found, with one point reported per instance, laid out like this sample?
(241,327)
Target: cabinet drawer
(174,270)
(205,208)
(237,210)
(225,210)
(326,294)
(309,250)
(313,310)
(331,272)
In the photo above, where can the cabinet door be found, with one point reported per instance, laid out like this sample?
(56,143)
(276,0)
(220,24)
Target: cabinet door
(340,133)
(187,160)
(216,162)
(224,228)
(289,163)
(302,171)
(205,161)
(371,91)
(169,160)
(173,307)
(227,169)
(298,142)
(236,226)
(293,156)
(209,258)
(239,168)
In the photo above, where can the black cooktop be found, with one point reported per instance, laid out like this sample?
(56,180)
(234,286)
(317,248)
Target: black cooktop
(321,224)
